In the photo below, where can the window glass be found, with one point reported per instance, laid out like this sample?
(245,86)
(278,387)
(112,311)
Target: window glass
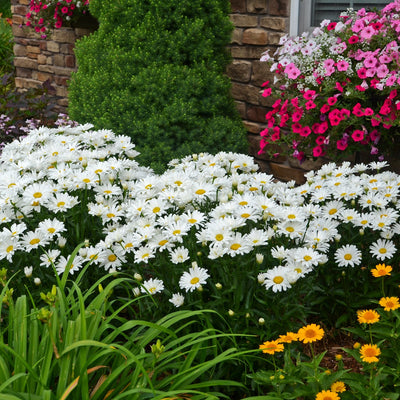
(328,9)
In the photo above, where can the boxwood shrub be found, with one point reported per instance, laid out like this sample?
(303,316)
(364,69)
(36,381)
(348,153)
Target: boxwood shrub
(155,70)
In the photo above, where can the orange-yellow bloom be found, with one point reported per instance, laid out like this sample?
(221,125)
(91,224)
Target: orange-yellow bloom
(338,387)
(271,347)
(327,395)
(369,353)
(381,270)
(389,303)
(310,333)
(288,338)
(367,316)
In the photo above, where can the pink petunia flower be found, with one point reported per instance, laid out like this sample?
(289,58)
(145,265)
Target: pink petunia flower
(342,65)
(357,135)
(292,71)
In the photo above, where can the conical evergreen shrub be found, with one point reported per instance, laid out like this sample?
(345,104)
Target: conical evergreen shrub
(154,70)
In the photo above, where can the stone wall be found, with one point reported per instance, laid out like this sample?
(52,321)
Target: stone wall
(38,60)
(259,25)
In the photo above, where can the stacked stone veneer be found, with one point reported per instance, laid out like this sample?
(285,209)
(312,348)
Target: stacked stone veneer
(39,60)
(259,25)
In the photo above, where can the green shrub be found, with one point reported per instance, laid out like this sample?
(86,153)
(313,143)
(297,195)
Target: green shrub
(155,71)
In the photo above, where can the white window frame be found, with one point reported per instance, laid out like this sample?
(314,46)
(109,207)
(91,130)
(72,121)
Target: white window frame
(300,22)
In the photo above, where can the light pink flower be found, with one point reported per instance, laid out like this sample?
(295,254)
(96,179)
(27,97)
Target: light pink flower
(382,71)
(292,71)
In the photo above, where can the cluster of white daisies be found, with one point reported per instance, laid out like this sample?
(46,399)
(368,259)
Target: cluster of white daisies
(219,201)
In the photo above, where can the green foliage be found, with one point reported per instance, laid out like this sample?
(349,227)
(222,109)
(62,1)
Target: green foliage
(6,39)
(16,107)
(154,70)
(5,8)
(79,345)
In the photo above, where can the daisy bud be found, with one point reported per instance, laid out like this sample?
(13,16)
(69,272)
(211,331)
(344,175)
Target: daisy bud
(199,254)
(194,264)
(61,242)
(195,157)
(338,237)
(28,271)
(281,377)
(275,228)
(83,252)
(231,313)
(240,189)
(86,243)
(218,286)
(353,202)
(37,281)
(247,315)
(200,288)
(138,277)
(327,372)
(136,291)
(259,258)
(261,321)
(361,232)
(338,357)
(356,345)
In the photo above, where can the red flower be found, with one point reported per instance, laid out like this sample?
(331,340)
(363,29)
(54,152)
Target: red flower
(357,135)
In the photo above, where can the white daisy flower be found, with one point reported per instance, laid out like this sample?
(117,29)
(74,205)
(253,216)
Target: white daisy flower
(383,249)
(61,202)
(73,267)
(306,256)
(32,240)
(51,227)
(277,279)
(239,244)
(143,254)
(348,255)
(179,255)
(49,257)
(193,279)
(177,299)
(152,286)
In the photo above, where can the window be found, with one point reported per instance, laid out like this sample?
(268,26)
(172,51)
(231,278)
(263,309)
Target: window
(310,13)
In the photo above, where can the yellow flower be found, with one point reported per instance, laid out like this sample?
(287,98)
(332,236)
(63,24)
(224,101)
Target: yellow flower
(389,303)
(327,395)
(271,347)
(338,387)
(288,338)
(370,352)
(310,333)
(367,316)
(381,270)
(356,345)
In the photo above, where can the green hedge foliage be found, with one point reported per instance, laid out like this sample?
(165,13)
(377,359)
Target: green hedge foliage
(154,70)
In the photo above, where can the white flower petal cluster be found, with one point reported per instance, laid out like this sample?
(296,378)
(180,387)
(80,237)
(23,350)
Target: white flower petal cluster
(219,205)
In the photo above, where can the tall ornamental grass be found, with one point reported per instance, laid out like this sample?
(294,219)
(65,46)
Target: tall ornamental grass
(75,344)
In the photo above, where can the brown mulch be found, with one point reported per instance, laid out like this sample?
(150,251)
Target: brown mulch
(333,343)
